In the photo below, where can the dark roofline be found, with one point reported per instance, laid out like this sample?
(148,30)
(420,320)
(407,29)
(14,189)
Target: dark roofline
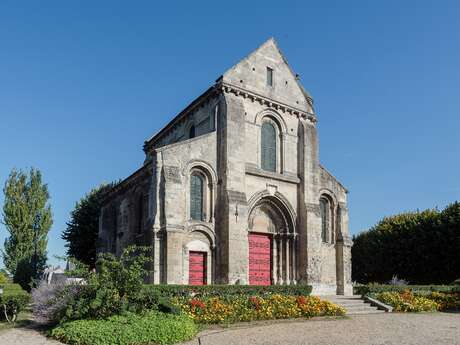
(335,178)
(127,182)
(197,101)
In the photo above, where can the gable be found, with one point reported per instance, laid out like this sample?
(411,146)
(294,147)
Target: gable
(251,74)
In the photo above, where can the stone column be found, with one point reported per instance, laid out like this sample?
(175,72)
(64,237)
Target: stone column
(280,260)
(288,261)
(343,253)
(232,210)
(274,260)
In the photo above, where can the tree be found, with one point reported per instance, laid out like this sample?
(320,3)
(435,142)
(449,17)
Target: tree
(82,230)
(28,219)
(420,247)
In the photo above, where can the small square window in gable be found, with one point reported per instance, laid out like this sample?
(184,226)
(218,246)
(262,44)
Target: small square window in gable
(269,76)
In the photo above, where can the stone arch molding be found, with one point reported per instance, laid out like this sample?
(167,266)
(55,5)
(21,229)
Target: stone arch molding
(202,165)
(208,172)
(275,207)
(272,115)
(329,194)
(334,231)
(205,230)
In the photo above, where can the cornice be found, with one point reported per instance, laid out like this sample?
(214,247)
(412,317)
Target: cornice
(128,182)
(255,97)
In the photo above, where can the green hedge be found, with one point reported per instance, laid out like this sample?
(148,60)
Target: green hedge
(11,286)
(379,288)
(419,247)
(14,299)
(225,290)
(128,329)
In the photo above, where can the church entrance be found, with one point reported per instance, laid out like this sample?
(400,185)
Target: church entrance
(197,268)
(272,246)
(260,259)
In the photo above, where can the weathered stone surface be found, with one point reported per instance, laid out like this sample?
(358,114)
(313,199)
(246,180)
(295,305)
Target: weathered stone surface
(152,206)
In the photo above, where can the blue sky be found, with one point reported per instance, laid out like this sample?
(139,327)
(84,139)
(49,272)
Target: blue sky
(82,84)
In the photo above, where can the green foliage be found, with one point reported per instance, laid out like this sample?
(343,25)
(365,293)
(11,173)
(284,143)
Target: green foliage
(3,278)
(129,329)
(116,287)
(370,289)
(420,247)
(225,290)
(239,308)
(407,302)
(27,217)
(446,301)
(82,229)
(13,300)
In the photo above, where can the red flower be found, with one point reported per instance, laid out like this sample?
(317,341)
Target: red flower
(301,300)
(255,301)
(196,303)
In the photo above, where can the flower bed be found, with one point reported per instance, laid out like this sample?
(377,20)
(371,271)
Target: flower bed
(243,308)
(408,301)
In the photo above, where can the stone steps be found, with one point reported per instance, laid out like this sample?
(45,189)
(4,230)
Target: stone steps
(354,305)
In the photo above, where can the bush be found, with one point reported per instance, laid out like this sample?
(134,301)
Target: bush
(372,289)
(445,301)
(420,247)
(407,302)
(130,329)
(116,287)
(12,302)
(244,308)
(224,291)
(50,302)
(3,278)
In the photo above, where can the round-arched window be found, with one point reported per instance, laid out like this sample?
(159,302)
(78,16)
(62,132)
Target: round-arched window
(196,196)
(268,147)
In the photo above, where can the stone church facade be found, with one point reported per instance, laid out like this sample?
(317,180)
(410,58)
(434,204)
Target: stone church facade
(232,192)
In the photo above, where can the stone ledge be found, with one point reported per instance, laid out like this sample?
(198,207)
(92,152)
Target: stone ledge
(378,304)
(251,170)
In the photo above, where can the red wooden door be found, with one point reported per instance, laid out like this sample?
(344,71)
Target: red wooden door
(259,259)
(197,268)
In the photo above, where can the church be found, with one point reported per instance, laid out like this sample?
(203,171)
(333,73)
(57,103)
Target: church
(231,190)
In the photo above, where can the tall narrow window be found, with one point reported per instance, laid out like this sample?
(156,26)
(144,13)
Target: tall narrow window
(269,76)
(196,196)
(324,210)
(191,132)
(140,211)
(268,149)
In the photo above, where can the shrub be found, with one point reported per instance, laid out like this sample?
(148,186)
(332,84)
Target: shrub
(224,291)
(372,289)
(421,247)
(50,302)
(3,278)
(445,301)
(129,329)
(116,287)
(407,302)
(244,308)
(12,302)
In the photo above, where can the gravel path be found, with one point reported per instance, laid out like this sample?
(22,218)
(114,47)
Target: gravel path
(25,336)
(376,329)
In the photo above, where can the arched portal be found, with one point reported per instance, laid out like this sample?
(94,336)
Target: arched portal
(272,246)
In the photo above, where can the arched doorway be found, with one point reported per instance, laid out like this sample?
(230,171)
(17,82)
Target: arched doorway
(272,243)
